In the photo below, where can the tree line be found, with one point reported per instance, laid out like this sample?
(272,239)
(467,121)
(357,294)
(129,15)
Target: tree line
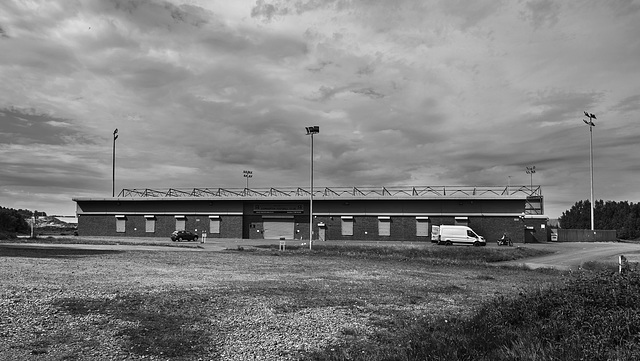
(623,216)
(14,221)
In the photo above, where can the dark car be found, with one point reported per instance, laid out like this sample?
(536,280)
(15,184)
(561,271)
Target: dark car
(183,236)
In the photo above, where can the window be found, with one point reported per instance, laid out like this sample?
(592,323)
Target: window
(181,223)
(121,223)
(214,224)
(384,226)
(347,226)
(422,226)
(150,223)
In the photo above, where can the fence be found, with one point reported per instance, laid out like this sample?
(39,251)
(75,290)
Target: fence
(586,235)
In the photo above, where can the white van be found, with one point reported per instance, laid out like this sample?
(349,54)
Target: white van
(449,235)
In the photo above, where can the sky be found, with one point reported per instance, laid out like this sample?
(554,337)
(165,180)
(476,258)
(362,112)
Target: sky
(405,92)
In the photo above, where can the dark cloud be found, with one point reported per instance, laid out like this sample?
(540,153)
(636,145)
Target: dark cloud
(325,93)
(368,92)
(20,126)
(624,8)
(37,55)
(149,15)
(269,10)
(555,105)
(36,171)
(629,104)
(319,67)
(266,11)
(470,12)
(541,13)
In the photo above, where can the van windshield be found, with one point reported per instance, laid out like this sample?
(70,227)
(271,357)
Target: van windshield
(471,234)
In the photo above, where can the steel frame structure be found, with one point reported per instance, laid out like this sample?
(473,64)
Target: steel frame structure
(340,192)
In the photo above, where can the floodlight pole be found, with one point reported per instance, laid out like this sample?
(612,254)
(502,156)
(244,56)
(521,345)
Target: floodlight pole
(591,125)
(531,170)
(311,131)
(591,171)
(247,174)
(113,164)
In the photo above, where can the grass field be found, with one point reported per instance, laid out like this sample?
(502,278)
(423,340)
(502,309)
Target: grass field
(333,303)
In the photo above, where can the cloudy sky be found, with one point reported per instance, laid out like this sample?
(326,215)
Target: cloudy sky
(406,92)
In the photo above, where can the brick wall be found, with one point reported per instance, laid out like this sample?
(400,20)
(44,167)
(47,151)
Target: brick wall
(135,226)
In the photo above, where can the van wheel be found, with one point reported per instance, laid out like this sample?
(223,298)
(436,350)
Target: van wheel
(448,243)
(476,244)
(179,239)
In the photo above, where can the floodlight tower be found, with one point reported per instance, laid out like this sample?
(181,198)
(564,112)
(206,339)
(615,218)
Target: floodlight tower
(247,174)
(531,170)
(311,131)
(113,164)
(591,125)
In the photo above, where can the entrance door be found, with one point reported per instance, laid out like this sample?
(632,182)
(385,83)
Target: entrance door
(322,231)
(276,228)
(530,235)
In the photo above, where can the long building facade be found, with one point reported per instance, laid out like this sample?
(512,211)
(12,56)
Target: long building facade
(339,213)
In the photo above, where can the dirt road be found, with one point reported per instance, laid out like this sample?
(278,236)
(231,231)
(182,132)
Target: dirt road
(572,255)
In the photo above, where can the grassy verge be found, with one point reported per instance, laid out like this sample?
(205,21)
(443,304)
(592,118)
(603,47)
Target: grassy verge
(440,254)
(591,317)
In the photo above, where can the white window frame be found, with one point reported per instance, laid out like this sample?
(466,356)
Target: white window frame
(214,224)
(384,226)
(150,223)
(181,222)
(421,223)
(121,223)
(347,225)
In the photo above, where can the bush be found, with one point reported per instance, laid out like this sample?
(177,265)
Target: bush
(12,221)
(591,317)
(4,235)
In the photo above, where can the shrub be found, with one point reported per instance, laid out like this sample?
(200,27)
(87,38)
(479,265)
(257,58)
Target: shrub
(7,235)
(591,317)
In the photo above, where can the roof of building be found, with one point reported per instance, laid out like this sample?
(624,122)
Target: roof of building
(367,192)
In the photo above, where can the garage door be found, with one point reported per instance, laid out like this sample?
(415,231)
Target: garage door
(277,228)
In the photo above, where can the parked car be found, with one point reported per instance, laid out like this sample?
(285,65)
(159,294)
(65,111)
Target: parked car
(180,236)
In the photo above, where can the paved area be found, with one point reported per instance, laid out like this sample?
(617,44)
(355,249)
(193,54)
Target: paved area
(565,256)
(211,244)
(572,255)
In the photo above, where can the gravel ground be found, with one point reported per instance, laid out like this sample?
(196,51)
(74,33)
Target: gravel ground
(236,306)
(253,332)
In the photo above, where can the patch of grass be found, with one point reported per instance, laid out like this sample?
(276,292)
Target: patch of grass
(591,317)
(599,266)
(409,253)
(171,324)
(16,251)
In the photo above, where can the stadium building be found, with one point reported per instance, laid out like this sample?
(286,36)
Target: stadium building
(339,213)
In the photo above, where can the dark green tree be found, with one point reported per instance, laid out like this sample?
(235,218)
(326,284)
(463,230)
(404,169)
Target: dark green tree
(623,216)
(12,221)
(578,217)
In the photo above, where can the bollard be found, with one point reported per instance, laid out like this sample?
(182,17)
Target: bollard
(623,264)
(283,245)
